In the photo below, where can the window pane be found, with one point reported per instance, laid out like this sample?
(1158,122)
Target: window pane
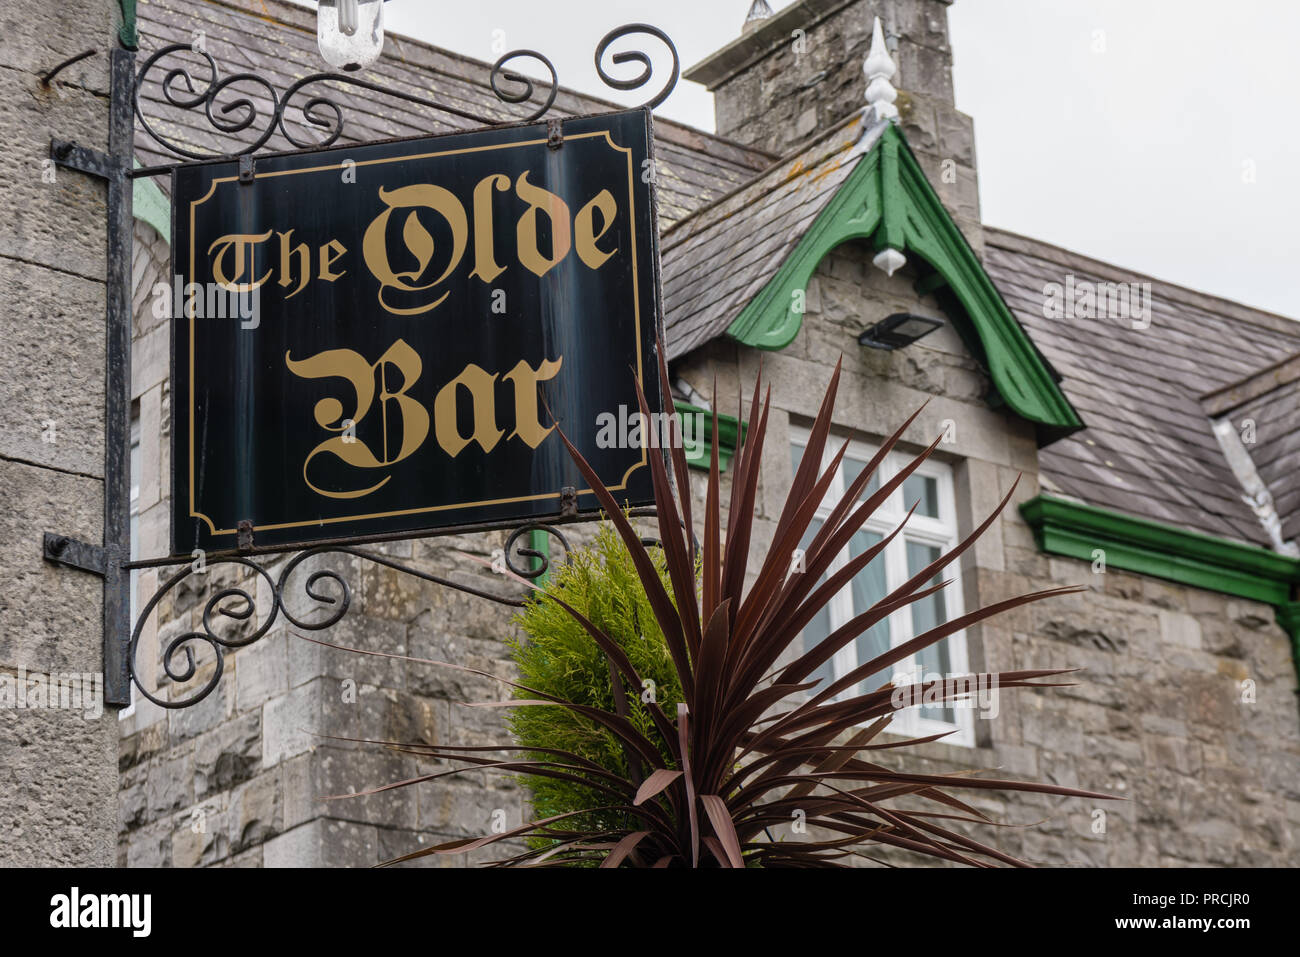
(817,630)
(926,614)
(852,469)
(869,586)
(796,456)
(924,489)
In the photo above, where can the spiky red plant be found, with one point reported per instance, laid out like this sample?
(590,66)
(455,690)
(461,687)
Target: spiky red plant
(755,741)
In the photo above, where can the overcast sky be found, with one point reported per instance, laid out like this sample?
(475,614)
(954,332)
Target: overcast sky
(1160,135)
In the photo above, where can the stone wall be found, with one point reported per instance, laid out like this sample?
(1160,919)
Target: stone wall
(241,778)
(1186,704)
(57,805)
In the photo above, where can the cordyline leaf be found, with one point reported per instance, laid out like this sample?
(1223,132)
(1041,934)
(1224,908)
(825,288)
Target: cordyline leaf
(683,729)
(907,649)
(711,567)
(655,783)
(836,530)
(677,449)
(805,477)
(465,845)
(623,848)
(621,727)
(709,667)
(755,739)
(673,538)
(665,614)
(835,761)
(720,818)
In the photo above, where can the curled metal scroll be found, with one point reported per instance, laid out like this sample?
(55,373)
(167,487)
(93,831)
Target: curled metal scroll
(182,90)
(226,612)
(636,56)
(230,109)
(541,563)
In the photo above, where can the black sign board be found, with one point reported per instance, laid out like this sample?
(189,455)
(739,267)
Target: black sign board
(378,339)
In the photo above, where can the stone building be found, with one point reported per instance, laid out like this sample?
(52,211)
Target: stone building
(1155,432)
(57,803)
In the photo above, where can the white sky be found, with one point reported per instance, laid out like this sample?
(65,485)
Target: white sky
(1137,154)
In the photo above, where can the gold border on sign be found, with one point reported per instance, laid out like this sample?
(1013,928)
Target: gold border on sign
(636,309)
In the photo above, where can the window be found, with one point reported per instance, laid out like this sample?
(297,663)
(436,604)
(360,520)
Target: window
(931,532)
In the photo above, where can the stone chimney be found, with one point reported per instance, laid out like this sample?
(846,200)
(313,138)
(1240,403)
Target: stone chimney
(796,73)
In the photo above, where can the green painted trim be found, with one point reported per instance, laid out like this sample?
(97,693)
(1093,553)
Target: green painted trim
(729,432)
(127,34)
(888,200)
(1163,551)
(539,541)
(151,206)
(1140,545)
(772,319)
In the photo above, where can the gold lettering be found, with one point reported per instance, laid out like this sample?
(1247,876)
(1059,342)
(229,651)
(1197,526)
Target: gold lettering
(361,375)
(557,211)
(527,425)
(287,253)
(485,263)
(245,245)
(330,253)
(585,232)
(481,386)
(417,240)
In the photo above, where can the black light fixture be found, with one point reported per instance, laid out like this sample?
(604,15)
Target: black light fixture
(899,330)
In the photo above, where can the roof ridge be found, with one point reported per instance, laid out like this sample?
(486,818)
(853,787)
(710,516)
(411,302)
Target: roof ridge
(1018,242)
(789,156)
(1248,388)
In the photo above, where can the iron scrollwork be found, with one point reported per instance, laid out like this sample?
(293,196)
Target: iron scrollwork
(183,91)
(226,611)
(230,110)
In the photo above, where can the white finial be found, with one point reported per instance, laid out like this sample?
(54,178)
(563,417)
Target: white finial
(758,12)
(889,260)
(880,69)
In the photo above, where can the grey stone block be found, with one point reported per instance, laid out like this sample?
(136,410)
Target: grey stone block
(38,212)
(51,618)
(324,843)
(59,805)
(52,390)
(228,755)
(256,812)
(290,723)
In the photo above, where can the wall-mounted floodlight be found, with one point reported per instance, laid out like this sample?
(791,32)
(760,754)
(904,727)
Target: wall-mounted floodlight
(899,330)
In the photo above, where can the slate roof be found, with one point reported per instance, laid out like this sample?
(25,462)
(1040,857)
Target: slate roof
(277,40)
(1147,396)
(716,260)
(1149,448)
(1271,400)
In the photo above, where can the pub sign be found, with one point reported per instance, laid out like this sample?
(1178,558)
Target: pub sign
(379,339)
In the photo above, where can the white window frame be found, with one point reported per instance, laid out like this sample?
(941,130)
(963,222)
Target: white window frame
(941,532)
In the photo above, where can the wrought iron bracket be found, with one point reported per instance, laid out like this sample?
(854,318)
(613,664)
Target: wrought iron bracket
(107,560)
(239,614)
(84,159)
(75,554)
(195,84)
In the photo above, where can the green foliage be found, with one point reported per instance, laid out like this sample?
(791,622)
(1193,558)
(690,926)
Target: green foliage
(560,658)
